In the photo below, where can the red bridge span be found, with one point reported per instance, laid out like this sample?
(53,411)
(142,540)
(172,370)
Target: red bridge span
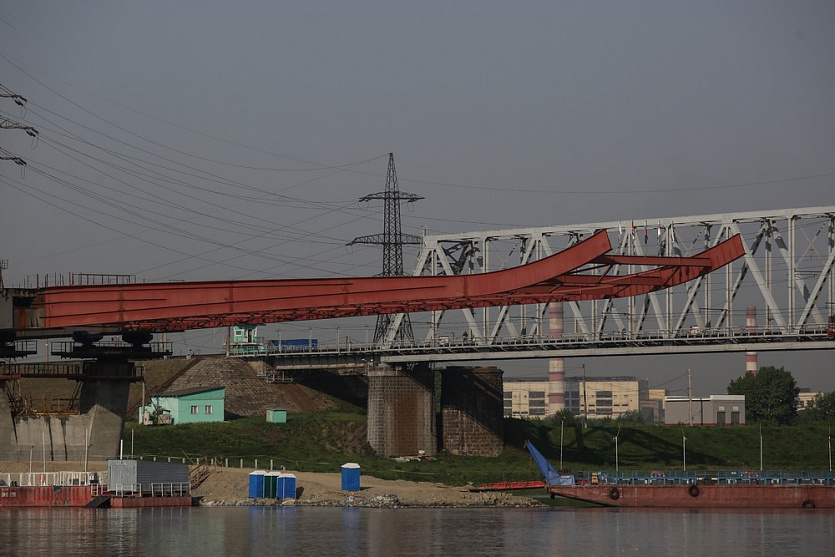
(584,271)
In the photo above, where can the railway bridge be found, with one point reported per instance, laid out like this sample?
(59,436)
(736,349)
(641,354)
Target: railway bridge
(663,285)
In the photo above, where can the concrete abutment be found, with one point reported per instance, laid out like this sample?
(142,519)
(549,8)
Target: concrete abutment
(93,434)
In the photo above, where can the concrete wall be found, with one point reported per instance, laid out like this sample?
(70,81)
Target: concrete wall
(8,439)
(471,411)
(52,437)
(401,417)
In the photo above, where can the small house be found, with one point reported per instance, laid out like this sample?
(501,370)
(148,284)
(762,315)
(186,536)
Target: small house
(197,405)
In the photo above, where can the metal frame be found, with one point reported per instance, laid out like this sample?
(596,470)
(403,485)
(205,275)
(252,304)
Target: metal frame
(796,243)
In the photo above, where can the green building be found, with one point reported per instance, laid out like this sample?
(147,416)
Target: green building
(244,339)
(198,405)
(277,415)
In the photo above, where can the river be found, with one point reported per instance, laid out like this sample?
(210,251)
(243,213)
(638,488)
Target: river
(242,531)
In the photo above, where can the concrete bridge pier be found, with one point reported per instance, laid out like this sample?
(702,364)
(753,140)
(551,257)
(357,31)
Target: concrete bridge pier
(94,434)
(402,418)
(472,411)
(104,403)
(401,415)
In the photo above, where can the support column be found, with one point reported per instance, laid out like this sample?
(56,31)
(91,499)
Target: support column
(104,403)
(401,414)
(472,413)
(556,366)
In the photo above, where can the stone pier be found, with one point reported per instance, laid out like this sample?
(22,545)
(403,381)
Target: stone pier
(472,411)
(401,416)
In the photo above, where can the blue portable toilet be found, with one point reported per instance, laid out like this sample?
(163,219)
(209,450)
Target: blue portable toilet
(286,486)
(256,483)
(351,477)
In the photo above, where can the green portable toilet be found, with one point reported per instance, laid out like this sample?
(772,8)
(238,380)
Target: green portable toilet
(277,415)
(270,484)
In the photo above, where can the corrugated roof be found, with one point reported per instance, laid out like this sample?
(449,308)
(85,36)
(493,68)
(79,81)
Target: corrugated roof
(192,391)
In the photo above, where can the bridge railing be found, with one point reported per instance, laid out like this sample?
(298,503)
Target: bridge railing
(645,337)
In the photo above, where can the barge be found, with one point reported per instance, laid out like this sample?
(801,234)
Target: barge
(127,484)
(678,489)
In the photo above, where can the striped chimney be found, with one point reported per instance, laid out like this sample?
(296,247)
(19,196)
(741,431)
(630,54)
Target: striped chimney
(556,366)
(751,365)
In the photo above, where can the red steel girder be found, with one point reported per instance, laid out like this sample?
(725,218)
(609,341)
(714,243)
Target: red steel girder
(192,305)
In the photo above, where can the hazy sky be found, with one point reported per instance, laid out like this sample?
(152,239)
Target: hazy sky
(195,140)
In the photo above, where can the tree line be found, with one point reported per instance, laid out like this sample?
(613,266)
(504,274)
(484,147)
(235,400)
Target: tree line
(771,397)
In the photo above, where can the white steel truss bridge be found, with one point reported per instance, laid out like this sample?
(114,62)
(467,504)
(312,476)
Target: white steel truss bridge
(779,296)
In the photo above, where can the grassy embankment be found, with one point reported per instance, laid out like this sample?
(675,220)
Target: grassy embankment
(323,441)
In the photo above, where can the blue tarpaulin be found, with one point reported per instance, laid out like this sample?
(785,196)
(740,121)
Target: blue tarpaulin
(549,473)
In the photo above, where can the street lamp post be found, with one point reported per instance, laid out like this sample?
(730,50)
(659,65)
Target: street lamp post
(562,433)
(617,468)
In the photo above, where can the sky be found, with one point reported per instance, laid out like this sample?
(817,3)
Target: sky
(205,140)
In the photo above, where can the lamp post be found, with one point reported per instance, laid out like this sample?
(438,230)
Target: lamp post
(617,468)
(562,432)
(761,447)
(684,451)
(615,439)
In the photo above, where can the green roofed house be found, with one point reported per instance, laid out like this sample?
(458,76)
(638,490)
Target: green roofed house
(198,405)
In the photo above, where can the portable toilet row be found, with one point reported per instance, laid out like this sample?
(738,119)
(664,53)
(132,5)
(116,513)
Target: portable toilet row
(272,485)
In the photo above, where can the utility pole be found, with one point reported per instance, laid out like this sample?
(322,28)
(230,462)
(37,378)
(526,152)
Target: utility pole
(585,400)
(690,398)
(9,124)
(392,239)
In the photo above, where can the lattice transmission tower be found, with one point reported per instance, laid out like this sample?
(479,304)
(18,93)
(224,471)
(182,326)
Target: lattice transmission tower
(392,239)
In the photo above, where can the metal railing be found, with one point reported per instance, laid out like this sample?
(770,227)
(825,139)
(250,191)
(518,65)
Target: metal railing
(721,477)
(694,336)
(46,479)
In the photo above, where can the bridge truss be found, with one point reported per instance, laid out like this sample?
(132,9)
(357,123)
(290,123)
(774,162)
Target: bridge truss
(787,276)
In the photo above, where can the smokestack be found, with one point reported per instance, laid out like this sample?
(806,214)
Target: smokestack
(556,366)
(751,365)
(751,319)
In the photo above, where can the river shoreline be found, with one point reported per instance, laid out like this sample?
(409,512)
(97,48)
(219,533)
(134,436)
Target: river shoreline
(229,487)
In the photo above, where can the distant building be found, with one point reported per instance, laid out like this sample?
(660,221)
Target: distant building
(805,398)
(199,405)
(607,397)
(652,408)
(526,399)
(721,410)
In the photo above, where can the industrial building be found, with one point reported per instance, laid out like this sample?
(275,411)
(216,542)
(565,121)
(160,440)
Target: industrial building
(721,410)
(595,398)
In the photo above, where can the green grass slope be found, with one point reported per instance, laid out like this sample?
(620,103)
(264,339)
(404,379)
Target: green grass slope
(323,441)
